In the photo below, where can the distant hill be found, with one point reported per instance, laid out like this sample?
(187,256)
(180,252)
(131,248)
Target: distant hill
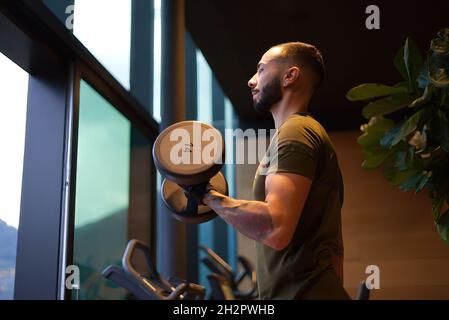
(8,248)
(96,246)
(8,245)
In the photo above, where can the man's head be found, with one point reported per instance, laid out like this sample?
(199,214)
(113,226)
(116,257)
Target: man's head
(292,66)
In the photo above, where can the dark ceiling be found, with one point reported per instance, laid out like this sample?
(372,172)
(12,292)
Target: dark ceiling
(233,34)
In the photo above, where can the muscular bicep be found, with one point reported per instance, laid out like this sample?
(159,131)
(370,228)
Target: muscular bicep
(286,194)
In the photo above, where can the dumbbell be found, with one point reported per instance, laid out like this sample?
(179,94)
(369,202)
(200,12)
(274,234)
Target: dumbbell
(189,153)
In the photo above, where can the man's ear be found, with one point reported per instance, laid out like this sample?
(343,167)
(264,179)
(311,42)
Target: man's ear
(291,76)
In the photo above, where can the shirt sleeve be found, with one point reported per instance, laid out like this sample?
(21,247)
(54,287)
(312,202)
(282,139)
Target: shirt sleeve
(293,157)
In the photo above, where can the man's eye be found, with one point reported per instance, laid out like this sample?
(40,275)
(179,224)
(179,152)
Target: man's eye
(260,70)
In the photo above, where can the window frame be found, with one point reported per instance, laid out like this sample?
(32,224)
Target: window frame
(33,37)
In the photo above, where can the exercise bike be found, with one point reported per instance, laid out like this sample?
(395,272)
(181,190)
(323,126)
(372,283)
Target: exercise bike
(224,281)
(151,286)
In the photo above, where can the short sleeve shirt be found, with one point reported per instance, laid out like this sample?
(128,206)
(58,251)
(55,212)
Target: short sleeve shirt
(302,146)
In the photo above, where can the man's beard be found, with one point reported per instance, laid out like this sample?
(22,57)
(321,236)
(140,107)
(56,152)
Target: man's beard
(269,95)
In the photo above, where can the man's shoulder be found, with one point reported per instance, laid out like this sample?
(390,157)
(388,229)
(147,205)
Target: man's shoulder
(301,121)
(303,129)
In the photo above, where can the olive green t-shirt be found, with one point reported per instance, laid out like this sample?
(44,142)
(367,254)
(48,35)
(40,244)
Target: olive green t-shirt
(302,146)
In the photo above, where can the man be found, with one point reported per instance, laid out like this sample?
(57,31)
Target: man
(296,218)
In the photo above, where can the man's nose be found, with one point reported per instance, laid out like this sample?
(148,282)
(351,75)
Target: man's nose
(252,82)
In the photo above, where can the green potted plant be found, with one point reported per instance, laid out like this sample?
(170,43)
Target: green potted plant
(407,133)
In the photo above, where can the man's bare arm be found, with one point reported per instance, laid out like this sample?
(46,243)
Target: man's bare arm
(272,222)
(252,218)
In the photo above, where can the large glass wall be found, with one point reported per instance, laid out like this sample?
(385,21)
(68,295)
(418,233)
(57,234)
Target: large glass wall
(109,208)
(120,35)
(112,176)
(204,114)
(104,27)
(102,192)
(111,153)
(215,108)
(13,107)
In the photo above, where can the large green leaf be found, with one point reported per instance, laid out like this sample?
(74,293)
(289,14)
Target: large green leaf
(413,62)
(416,181)
(396,177)
(374,157)
(425,98)
(423,78)
(369,138)
(410,125)
(380,124)
(442,226)
(422,183)
(439,184)
(408,61)
(387,140)
(401,158)
(376,128)
(399,63)
(437,204)
(443,128)
(387,105)
(369,91)
(401,131)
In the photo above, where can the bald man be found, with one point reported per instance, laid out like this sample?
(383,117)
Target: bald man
(296,217)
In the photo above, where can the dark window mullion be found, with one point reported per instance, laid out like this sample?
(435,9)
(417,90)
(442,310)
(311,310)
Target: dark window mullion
(40,214)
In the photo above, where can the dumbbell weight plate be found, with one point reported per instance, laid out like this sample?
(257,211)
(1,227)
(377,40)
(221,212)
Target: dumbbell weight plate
(174,198)
(189,152)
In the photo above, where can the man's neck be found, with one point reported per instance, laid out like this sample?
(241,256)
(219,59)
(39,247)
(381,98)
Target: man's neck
(289,105)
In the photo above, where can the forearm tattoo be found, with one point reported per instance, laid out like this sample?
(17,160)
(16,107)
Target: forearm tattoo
(252,218)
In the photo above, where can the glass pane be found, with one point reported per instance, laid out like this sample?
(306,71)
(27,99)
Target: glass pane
(204,85)
(63,10)
(104,27)
(204,114)
(230,120)
(157,62)
(102,193)
(13,106)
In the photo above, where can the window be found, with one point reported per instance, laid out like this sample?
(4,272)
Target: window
(107,154)
(157,62)
(214,107)
(111,202)
(124,36)
(13,106)
(104,27)
(204,80)
(113,192)
(102,196)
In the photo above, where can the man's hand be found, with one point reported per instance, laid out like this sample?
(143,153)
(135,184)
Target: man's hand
(198,191)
